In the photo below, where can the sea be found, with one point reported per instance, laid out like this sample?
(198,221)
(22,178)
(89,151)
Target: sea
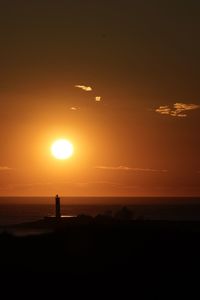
(15,210)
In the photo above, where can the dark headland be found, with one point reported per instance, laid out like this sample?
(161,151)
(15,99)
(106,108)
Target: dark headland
(119,248)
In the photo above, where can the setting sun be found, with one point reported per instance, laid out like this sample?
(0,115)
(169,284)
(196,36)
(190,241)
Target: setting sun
(62,149)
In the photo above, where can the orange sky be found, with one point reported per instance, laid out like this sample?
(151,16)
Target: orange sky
(141,139)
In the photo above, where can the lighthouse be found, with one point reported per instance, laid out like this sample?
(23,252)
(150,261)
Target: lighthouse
(58,215)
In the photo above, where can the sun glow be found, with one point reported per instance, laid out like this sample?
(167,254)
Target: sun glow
(62,149)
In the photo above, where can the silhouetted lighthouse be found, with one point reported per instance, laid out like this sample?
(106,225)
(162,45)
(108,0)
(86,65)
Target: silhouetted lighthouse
(58,215)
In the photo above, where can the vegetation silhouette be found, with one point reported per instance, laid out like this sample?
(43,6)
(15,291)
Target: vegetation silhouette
(119,248)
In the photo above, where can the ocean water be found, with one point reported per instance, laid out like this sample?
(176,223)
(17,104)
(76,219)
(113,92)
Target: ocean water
(17,210)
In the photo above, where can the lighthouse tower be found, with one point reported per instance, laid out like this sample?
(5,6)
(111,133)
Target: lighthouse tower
(58,215)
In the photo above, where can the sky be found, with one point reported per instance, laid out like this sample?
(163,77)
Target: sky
(119,79)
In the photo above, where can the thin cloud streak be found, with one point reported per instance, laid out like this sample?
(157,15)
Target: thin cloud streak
(4,168)
(99,183)
(74,108)
(178,110)
(125,168)
(115,185)
(84,88)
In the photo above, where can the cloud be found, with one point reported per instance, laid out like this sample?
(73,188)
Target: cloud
(74,108)
(164,110)
(3,168)
(184,106)
(112,184)
(87,89)
(125,168)
(98,98)
(178,110)
(82,184)
(84,88)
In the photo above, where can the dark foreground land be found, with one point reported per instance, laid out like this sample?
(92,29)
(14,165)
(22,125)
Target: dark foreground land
(143,255)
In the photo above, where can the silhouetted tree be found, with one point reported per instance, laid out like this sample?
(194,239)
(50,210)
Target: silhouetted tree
(124,214)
